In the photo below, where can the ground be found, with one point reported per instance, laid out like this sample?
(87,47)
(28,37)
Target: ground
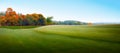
(60,39)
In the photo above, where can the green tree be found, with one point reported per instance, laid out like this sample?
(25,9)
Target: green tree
(2,13)
(49,20)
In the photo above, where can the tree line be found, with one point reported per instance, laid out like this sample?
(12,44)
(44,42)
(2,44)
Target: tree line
(11,18)
(69,22)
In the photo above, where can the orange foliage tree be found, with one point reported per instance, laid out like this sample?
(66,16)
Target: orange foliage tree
(11,18)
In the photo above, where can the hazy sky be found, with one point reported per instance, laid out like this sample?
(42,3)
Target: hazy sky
(82,10)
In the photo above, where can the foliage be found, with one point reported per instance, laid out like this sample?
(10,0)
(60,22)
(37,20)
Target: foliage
(2,13)
(11,18)
(49,20)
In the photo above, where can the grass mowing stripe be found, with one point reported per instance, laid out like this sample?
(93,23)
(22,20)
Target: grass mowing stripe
(80,37)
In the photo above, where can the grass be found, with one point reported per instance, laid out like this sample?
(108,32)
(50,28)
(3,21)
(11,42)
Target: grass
(61,39)
(106,33)
(18,27)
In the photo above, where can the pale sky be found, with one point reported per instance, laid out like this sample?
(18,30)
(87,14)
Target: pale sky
(81,10)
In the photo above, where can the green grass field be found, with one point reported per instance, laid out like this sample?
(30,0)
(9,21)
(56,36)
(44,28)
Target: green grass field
(60,39)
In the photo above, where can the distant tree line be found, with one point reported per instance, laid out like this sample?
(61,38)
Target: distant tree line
(69,22)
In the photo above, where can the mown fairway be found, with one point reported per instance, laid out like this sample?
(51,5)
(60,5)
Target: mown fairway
(60,39)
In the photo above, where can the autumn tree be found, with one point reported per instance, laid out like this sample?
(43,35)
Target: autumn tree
(3,20)
(11,18)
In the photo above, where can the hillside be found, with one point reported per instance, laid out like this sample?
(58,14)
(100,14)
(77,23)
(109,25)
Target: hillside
(61,39)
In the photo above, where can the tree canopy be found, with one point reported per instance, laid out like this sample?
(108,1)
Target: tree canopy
(11,18)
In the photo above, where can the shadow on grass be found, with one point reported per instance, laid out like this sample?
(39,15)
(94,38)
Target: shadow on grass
(19,27)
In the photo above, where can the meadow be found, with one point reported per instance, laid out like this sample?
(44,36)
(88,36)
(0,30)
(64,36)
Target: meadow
(60,39)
